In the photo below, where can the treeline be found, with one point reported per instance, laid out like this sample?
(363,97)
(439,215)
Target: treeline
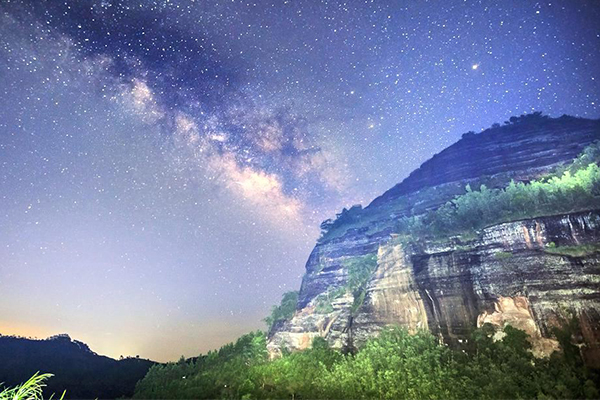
(395,365)
(572,188)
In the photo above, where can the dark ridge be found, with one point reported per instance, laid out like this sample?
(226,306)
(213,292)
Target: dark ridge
(76,369)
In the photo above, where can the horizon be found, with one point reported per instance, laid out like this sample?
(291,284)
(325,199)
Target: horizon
(165,167)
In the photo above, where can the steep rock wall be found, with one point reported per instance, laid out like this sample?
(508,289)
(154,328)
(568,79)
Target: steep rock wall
(453,285)
(506,276)
(522,150)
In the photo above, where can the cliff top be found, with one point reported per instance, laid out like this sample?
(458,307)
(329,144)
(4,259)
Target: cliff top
(522,149)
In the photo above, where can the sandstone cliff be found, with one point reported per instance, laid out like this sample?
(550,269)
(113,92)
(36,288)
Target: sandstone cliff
(512,273)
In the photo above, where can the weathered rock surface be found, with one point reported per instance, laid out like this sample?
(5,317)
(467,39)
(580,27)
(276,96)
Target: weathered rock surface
(504,276)
(521,151)
(507,276)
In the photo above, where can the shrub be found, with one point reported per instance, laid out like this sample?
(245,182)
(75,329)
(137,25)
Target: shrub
(30,390)
(574,251)
(395,365)
(503,255)
(575,189)
(284,311)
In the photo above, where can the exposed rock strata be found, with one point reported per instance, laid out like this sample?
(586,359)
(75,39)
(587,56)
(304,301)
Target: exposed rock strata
(505,276)
(523,151)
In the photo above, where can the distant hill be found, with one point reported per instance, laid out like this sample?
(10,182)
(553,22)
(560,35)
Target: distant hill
(77,369)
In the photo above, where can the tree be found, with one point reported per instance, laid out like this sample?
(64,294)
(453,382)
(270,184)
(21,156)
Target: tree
(284,311)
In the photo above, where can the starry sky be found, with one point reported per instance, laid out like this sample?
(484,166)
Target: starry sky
(165,165)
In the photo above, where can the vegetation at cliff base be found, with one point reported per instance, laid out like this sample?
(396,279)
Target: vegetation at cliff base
(394,365)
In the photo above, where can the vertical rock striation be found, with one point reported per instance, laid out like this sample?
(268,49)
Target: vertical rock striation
(511,273)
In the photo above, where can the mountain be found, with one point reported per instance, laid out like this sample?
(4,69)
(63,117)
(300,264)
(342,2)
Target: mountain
(502,227)
(78,370)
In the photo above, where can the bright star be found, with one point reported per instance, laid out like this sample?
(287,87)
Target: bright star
(475,66)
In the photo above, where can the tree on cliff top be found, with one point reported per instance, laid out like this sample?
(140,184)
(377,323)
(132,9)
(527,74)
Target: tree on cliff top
(534,117)
(347,216)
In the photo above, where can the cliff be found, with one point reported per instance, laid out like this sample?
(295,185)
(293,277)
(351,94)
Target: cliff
(520,150)
(533,274)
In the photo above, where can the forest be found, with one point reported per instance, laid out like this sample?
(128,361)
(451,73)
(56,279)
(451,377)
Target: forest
(394,365)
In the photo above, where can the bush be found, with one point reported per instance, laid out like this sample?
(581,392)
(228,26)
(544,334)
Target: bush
(576,188)
(395,365)
(574,251)
(284,311)
(502,255)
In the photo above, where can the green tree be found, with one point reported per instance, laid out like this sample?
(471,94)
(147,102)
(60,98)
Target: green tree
(284,311)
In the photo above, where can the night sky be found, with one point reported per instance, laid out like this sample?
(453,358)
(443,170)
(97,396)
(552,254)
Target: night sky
(165,165)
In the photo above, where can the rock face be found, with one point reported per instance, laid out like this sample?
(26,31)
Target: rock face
(521,150)
(505,274)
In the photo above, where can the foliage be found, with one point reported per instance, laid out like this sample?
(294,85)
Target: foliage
(30,390)
(533,118)
(502,255)
(395,365)
(577,188)
(284,311)
(324,302)
(414,209)
(347,216)
(589,155)
(218,374)
(359,270)
(574,251)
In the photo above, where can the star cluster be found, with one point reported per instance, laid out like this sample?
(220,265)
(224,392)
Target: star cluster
(164,165)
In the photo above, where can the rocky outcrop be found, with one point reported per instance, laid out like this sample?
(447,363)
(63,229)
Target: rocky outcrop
(507,274)
(520,150)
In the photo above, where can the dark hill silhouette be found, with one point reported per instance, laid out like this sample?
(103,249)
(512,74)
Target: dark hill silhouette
(78,370)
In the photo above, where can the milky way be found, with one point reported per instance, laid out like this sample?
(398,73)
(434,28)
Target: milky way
(164,166)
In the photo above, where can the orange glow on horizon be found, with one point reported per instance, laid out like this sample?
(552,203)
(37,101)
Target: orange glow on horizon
(25,330)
